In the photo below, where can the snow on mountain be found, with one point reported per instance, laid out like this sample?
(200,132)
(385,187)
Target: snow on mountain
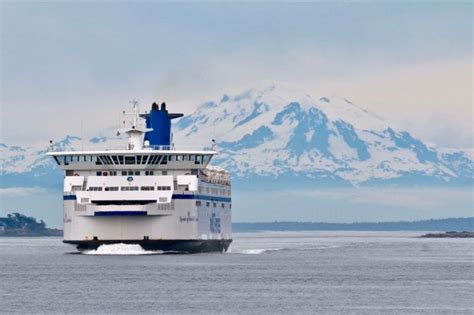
(279,132)
(275,131)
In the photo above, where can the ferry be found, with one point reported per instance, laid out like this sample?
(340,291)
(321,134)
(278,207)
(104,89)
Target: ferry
(148,192)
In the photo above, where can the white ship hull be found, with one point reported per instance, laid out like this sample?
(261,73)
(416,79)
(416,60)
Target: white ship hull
(147,194)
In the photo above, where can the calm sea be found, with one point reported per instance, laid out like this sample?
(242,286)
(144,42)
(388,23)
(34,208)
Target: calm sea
(265,273)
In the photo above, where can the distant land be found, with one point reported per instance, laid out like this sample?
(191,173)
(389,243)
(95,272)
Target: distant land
(17,224)
(450,224)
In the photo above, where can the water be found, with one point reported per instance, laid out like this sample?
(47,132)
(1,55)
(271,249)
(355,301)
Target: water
(285,272)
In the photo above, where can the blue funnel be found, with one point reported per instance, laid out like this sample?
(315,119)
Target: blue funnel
(160,121)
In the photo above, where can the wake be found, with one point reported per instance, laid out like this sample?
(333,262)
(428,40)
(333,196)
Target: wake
(120,249)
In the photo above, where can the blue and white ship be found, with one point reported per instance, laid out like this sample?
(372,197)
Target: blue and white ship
(149,192)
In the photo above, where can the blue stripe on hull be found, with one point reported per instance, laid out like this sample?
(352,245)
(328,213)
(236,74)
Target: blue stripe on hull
(200,197)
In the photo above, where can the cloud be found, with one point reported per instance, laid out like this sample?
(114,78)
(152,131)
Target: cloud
(19,191)
(416,198)
(432,99)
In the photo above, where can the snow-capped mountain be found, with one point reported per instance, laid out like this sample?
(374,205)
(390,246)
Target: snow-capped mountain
(278,132)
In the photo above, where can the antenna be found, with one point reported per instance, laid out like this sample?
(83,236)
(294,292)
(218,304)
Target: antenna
(135,112)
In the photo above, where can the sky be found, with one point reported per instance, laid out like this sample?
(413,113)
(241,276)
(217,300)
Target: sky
(69,67)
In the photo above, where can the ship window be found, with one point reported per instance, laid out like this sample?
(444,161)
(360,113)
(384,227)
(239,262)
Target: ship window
(193,157)
(148,173)
(124,173)
(115,159)
(172,158)
(163,188)
(147,188)
(206,158)
(139,159)
(214,204)
(198,203)
(129,188)
(155,159)
(98,173)
(130,173)
(164,160)
(179,158)
(208,204)
(186,158)
(164,172)
(111,188)
(144,159)
(95,188)
(137,173)
(222,205)
(98,161)
(130,160)
(120,158)
(56,159)
(113,173)
(198,159)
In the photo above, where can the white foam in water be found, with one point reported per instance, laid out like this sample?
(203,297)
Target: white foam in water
(253,251)
(120,249)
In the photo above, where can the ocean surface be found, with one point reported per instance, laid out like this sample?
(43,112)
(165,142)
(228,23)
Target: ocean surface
(264,273)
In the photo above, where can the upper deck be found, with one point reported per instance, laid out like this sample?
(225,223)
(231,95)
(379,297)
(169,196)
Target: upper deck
(148,158)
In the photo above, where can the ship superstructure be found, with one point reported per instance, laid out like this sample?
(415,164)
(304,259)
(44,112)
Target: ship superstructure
(150,192)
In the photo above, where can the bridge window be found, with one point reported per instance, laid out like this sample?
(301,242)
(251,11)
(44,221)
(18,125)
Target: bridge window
(130,160)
